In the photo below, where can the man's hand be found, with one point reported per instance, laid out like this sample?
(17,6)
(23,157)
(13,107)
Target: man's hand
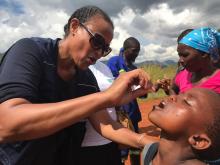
(122,91)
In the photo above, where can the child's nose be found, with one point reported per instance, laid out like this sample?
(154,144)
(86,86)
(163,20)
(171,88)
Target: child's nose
(173,98)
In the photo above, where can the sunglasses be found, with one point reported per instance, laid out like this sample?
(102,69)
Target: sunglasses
(98,42)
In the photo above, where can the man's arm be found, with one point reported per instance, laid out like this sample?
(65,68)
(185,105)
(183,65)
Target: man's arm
(113,66)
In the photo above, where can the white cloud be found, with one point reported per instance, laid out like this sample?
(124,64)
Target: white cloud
(156,26)
(164,15)
(153,35)
(36,21)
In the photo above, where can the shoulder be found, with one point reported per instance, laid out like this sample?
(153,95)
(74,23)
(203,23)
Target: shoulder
(182,74)
(46,44)
(32,49)
(113,58)
(44,41)
(37,41)
(194,162)
(24,44)
(149,152)
(183,71)
(150,147)
(217,73)
(21,51)
(33,45)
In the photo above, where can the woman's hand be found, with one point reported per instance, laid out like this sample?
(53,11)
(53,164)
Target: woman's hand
(122,90)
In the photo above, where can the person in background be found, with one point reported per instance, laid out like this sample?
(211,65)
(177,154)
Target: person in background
(190,125)
(184,33)
(198,51)
(120,64)
(40,79)
(166,83)
(96,148)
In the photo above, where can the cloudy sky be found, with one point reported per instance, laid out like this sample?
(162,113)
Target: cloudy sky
(155,23)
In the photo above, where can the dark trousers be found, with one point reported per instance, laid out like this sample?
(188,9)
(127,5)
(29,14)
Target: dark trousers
(107,154)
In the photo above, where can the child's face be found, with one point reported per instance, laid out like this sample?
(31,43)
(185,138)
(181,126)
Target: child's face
(184,114)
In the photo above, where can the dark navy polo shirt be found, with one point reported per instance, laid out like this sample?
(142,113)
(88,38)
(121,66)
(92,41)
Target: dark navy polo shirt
(29,70)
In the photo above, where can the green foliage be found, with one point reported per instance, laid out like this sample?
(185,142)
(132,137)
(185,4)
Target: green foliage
(158,72)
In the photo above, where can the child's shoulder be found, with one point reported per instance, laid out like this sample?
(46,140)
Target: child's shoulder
(194,162)
(149,153)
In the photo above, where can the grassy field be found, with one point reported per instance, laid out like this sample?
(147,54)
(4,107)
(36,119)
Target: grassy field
(157,72)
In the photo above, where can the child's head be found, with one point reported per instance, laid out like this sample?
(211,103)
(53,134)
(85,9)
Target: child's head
(192,117)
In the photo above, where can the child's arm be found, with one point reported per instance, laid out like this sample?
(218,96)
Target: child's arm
(114,131)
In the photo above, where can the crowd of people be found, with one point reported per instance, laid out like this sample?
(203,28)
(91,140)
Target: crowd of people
(60,105)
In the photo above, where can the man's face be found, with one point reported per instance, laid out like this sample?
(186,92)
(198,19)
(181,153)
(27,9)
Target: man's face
(183,114)
(132,53)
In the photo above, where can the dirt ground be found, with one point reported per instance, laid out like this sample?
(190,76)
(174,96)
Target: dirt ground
(145,125)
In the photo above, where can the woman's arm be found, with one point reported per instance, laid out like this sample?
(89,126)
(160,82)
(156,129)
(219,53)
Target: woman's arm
(22,120)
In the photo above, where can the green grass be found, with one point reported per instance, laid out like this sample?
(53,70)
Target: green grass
(157,72)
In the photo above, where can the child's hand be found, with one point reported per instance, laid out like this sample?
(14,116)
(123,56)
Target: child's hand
(164,84)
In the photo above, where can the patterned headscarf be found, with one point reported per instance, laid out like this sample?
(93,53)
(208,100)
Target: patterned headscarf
(205,39)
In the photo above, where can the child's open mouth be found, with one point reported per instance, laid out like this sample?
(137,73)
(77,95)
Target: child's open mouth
(159,106)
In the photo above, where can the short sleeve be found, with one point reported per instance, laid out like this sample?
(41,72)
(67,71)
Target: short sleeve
(20,71)
(112,64)
(86,83)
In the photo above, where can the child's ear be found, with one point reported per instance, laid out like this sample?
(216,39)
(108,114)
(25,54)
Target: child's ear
(200,141)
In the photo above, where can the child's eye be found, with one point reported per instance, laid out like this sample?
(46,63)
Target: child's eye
(186,102)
